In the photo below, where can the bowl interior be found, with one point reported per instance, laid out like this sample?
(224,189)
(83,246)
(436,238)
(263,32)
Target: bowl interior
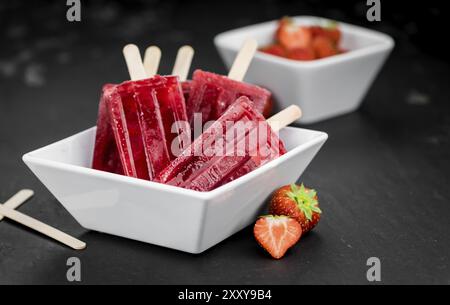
(75,150)
(353,37)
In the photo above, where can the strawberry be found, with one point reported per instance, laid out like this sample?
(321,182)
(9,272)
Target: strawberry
(291,36)
(274,49)
(276,234)
(302,54)
(331,32)
(297,202)
(323,47)
(334,34)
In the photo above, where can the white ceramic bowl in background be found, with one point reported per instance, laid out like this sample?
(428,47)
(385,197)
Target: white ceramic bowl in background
(160,214)
(323,88)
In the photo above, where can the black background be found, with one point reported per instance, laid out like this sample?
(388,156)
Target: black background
(382,177)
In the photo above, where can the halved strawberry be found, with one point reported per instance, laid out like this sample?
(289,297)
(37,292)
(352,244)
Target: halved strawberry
(291,36)
(324,47)
(302,54)
(274,49)
(276,234)
(297,202)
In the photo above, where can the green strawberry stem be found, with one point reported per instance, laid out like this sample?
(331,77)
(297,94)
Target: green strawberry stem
(305,200)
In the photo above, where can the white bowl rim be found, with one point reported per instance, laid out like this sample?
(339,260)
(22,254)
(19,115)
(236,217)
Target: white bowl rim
(385,43)
(29,157)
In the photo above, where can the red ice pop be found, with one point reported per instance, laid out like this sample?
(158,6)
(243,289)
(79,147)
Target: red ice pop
(106,154)
(234,145)
(211,94)
(140,114)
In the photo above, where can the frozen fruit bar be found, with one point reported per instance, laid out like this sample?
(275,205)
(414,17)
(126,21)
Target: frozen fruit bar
(140,114)
(237,143)
(211,94)
(168,99)
(122,110)
(106,154)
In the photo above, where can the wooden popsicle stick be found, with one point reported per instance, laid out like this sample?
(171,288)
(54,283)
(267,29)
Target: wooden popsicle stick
(15,201)
(42,228)
(134,62)
(152,58)
(243,59)
(183,62)
(284,117)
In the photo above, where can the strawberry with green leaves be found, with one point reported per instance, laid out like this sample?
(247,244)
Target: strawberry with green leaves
(297,202)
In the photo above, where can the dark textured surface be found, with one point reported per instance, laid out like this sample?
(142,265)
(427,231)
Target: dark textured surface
(383,176)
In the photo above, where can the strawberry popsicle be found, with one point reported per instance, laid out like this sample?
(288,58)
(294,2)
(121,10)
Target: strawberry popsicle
(141,114)
(211,94)
(173,111)
(121,114)
(234,145)
(106,154)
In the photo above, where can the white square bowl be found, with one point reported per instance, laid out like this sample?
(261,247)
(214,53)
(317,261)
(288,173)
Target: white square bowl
(323,88)
(161,214)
